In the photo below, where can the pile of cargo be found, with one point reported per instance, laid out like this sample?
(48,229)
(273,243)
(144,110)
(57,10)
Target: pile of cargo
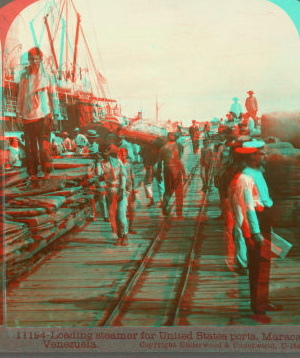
(37,213)
(282,125)
(143,133)
(283,178)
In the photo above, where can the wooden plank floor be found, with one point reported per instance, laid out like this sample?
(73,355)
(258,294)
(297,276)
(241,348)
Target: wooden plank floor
(77,282)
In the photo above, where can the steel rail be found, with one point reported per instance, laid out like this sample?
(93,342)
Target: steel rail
(187,268)
(114,307)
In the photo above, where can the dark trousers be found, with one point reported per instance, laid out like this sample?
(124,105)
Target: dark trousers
(195,142)
(173,181)
(259,266)
(34,136)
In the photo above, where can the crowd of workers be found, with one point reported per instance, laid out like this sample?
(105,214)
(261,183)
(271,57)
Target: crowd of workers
(234,165)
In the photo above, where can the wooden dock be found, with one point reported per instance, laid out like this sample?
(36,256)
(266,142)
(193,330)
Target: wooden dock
(172,273)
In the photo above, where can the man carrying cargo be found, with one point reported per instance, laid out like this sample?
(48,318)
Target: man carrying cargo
(173,170)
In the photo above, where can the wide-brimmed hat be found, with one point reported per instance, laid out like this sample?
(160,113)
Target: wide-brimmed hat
(76,130)
(64,133)
(250,92)
(258,144)
(235,99)
(91,134)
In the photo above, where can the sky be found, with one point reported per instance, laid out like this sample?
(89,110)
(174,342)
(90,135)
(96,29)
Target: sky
(194,55)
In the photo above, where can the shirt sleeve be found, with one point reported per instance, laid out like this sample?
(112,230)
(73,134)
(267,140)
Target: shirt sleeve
(250,209)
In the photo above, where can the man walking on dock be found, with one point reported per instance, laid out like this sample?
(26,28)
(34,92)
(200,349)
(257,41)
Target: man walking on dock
(114,174)
(195,135)
(173,176)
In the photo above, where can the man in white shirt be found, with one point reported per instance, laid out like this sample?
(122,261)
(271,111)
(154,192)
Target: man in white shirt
(80,141)
(236,109)
(114,174)
(34,107)
(251,205)
(91,148)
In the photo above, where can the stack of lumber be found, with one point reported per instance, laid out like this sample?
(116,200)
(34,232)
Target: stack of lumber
(46,210)
(16,241)
(283,178)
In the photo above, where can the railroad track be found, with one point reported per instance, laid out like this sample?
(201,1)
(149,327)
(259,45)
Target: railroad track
(99,284)
(166,254)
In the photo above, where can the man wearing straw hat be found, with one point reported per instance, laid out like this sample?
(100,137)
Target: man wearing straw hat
(91,147)
(251,106)
(251,205)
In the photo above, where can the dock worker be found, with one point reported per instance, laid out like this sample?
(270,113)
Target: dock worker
(130,189)
(69,144)
(233,241)
(153,170)
(121,142)
(236,109)
(114,173)
(252,107)
(251,205)
(91,148)
(80,140)
(180,143)
(206,160)
(173,177)
(195,135)
(35,108)
(58,146)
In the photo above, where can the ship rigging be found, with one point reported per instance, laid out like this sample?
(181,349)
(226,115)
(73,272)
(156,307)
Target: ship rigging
(83,91)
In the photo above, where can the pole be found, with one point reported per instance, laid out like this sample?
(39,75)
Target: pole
(51,42)
(158,107)
(76,45)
